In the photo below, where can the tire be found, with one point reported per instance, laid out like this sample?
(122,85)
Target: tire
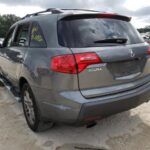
(31,111)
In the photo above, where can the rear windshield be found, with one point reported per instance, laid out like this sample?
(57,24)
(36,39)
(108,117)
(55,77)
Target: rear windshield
(84,32)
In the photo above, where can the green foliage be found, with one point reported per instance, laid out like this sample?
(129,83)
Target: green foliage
(5,23)
(144,30)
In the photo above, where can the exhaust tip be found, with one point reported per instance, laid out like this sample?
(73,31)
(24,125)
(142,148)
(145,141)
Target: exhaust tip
(91,124)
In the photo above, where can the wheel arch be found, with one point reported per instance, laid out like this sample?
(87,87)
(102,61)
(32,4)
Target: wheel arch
(22,81)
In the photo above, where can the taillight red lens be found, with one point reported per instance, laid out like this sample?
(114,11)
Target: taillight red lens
(64,64)
(73,63)
(85,59)
(148,51)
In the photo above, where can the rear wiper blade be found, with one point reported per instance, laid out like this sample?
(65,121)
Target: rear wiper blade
(115,40)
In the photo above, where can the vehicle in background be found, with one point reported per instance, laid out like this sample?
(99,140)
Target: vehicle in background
(146,37)
(75,66)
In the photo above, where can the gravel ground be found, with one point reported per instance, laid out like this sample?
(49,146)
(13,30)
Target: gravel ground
(126,131)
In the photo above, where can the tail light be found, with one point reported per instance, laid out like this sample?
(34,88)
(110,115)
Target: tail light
(148,51)
(86,59)
(114,16)
(73,63)
(63,64)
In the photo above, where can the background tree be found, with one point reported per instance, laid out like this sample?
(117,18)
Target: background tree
(5,23)
(144,30)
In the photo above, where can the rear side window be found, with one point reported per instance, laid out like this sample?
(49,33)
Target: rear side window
(37,39)
(85,32)
(22,36)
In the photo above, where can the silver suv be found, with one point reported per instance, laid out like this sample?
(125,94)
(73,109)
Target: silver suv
(75,66)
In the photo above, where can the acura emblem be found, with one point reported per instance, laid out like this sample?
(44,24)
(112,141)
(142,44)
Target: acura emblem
(132,54)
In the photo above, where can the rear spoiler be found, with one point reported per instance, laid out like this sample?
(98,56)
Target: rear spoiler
(96,15)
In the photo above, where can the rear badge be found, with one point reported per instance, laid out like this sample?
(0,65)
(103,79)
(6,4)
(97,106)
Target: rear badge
(132,54)
(95,69)
(99,68)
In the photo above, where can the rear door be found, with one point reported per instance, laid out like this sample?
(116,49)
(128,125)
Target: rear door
(123,62)
(17,52)
(4,59)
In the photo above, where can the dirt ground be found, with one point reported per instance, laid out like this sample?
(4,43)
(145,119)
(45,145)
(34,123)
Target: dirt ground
(125,131)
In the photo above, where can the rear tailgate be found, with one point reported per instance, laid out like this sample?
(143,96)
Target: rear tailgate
(123,66)
(118,72)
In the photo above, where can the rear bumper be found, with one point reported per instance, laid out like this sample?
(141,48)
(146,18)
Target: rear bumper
(97,110)
(123,102)
(73,108)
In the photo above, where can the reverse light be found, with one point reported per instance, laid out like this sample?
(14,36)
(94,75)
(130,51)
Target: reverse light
(73,63)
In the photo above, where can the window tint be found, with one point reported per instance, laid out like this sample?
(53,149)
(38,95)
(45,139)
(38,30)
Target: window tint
(9,38)
(84,32)
(37,39)
(22,34)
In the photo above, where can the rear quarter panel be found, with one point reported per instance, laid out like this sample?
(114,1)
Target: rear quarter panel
(47,85)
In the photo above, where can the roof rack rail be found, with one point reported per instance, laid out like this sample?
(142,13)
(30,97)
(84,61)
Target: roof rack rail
(55,11)
(82,10)
(52,10)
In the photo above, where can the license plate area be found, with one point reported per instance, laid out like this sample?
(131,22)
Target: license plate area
(126,68)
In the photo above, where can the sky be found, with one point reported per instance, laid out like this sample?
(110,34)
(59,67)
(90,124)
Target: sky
(139,10)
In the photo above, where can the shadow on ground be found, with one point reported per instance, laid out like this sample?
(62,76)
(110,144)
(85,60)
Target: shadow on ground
(125,131)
